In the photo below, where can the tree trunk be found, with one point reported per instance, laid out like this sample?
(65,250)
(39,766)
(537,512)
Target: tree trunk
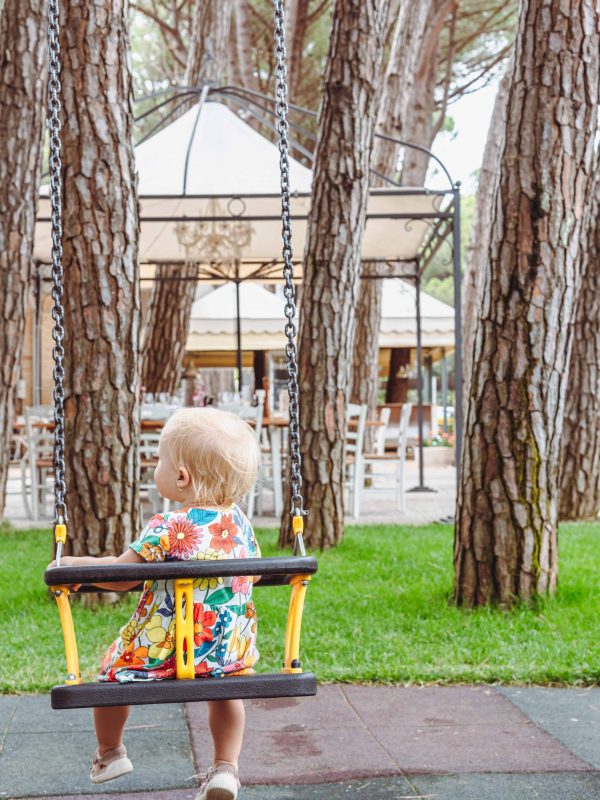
(405,53)
(477,257)
(171,300)
(296,14)
(580,463)
(332,258)
(167,327)
(102,298)
(23,82)
(365,360)
(418,126)
(241,48)
(207,54)
(506,533)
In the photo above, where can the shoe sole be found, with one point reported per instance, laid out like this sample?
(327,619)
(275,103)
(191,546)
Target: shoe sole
(112,771)
(220,794)
(221,789)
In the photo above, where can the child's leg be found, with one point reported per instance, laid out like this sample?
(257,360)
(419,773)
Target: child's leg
(226,720)
(110,722)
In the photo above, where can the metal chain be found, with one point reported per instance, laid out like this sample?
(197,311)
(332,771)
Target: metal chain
(289,290)
(58,332)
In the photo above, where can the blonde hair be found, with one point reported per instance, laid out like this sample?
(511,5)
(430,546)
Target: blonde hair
(218,449)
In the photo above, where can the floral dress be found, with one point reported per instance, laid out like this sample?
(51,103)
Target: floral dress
(224,614)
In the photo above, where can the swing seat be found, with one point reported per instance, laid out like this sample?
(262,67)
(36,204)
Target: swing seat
(236,687)
(292,682)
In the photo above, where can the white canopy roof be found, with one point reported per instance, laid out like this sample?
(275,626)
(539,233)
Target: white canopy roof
(225,157)
(213,319)
(233,174)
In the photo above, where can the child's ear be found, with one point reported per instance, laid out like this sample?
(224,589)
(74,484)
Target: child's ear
(183,478)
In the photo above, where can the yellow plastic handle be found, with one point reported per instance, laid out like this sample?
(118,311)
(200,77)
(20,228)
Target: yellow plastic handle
(298,524)
(60,533)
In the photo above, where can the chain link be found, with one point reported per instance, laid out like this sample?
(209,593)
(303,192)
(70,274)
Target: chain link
(289,289)
(58,332)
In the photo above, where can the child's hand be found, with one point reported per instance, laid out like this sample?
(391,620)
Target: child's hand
(66,561)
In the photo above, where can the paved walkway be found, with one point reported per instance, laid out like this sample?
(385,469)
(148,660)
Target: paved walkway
(379,507)
(350,742)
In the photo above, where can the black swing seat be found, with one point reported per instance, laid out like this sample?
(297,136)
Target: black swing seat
(237,687)
(272,571)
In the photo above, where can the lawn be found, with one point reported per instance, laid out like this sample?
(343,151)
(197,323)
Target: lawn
(379,609)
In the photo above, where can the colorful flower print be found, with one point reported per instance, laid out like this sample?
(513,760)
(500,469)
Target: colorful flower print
(224,533)
(224,615)
(203,624)
(131,657)
(184,537)
(163,639)
(150,552)
(240,583)
(145,600)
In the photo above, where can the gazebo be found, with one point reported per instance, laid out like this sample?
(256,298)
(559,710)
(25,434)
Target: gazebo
(208,176)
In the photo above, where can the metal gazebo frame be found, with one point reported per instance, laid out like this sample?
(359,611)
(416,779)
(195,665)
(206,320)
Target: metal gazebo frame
(443,222)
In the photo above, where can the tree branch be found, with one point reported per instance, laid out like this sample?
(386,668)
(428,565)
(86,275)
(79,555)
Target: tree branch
(316,13)
(257,15)
(497,59)
(448,77)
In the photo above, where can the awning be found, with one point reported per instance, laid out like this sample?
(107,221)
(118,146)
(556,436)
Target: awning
(210,167)
(213,319)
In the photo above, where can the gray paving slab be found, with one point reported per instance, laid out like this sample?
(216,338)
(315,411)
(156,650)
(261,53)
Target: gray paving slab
(161,757)
(559,786)
(35,715)
(8,705)
(454,729)
(171,794)
(546,786)
(570,715)
(304,741)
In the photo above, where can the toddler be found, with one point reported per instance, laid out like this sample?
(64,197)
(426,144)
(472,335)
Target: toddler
(208,461)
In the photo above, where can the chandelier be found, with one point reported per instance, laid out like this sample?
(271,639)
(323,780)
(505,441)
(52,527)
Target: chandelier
(215,241)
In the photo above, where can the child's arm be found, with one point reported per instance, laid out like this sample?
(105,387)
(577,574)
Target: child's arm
(128,557)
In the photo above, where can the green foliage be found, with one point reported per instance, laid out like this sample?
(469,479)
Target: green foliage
(478,46)
(379,609)
(437,278)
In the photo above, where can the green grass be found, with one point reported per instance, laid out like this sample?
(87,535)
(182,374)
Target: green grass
(378,610)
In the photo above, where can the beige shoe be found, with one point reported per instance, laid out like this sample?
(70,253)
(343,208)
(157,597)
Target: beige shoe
(220,783)
(112,764)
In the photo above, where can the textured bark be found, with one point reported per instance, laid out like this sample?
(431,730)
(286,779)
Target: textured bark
(241,47)
(171,300)
(23,31)
(419,127)
(408,30)
(365,358)
(102,301)
(296,16)
(506,533)
(167,327)
(207,54)
(477,256)
(332,257)
(401,72)
(580,464)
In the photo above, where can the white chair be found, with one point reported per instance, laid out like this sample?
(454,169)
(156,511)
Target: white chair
(157,411)
(371,460)
(148,461)
(18,460)
(40,456)
(356,420)
(381,430)
(254,415)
